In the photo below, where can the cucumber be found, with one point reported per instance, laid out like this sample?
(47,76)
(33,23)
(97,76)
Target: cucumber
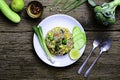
(79,37)
(79,44)
(76,33)
(11,15)
(77,29)
(84,37)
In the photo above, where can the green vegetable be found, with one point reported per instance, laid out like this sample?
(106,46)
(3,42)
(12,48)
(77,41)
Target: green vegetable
(71,3)
(79,43)
(105,13)
(63,6)
(68,5)
(75,5)
(51,37)
(79,38)
(57,48)
(55,3)
(39,33)
(64,41)
(11,15)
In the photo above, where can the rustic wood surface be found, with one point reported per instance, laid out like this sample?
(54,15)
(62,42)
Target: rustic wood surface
(18,60)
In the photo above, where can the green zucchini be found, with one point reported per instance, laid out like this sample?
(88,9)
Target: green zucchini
(11,15)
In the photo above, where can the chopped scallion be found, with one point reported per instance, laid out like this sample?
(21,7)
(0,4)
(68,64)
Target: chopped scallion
(39,33)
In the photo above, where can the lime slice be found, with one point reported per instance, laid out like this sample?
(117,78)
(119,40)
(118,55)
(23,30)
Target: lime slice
(74,54)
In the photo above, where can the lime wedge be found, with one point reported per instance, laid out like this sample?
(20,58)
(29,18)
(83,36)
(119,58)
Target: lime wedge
(74,54)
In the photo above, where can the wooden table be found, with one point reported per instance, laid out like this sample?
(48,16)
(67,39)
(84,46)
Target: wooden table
(18,60)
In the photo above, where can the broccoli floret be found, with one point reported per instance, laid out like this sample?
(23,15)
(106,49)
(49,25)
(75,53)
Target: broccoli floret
(105,13)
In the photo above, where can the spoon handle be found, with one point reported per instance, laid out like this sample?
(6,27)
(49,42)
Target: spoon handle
(83,65)
(90,68)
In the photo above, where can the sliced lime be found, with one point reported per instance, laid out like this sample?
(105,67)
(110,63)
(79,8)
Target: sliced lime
(74,54)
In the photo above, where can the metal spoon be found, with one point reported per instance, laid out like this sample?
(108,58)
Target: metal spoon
(105,46)
(96,43)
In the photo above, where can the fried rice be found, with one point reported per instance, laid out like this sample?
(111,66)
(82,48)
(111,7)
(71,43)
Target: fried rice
(59,41)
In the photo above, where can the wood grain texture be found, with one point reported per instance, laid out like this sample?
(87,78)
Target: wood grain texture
(18,60)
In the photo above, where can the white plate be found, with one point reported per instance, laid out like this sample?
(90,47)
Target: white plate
(48,24)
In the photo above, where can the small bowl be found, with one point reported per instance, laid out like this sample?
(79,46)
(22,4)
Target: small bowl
(34,9)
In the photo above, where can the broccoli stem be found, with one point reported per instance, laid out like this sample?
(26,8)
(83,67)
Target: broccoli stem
(116,2)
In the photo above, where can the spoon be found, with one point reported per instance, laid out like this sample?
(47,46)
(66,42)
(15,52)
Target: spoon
(96,43)
(104,46)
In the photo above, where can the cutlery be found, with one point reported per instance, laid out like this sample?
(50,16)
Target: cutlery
(96,43)
(104,46)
